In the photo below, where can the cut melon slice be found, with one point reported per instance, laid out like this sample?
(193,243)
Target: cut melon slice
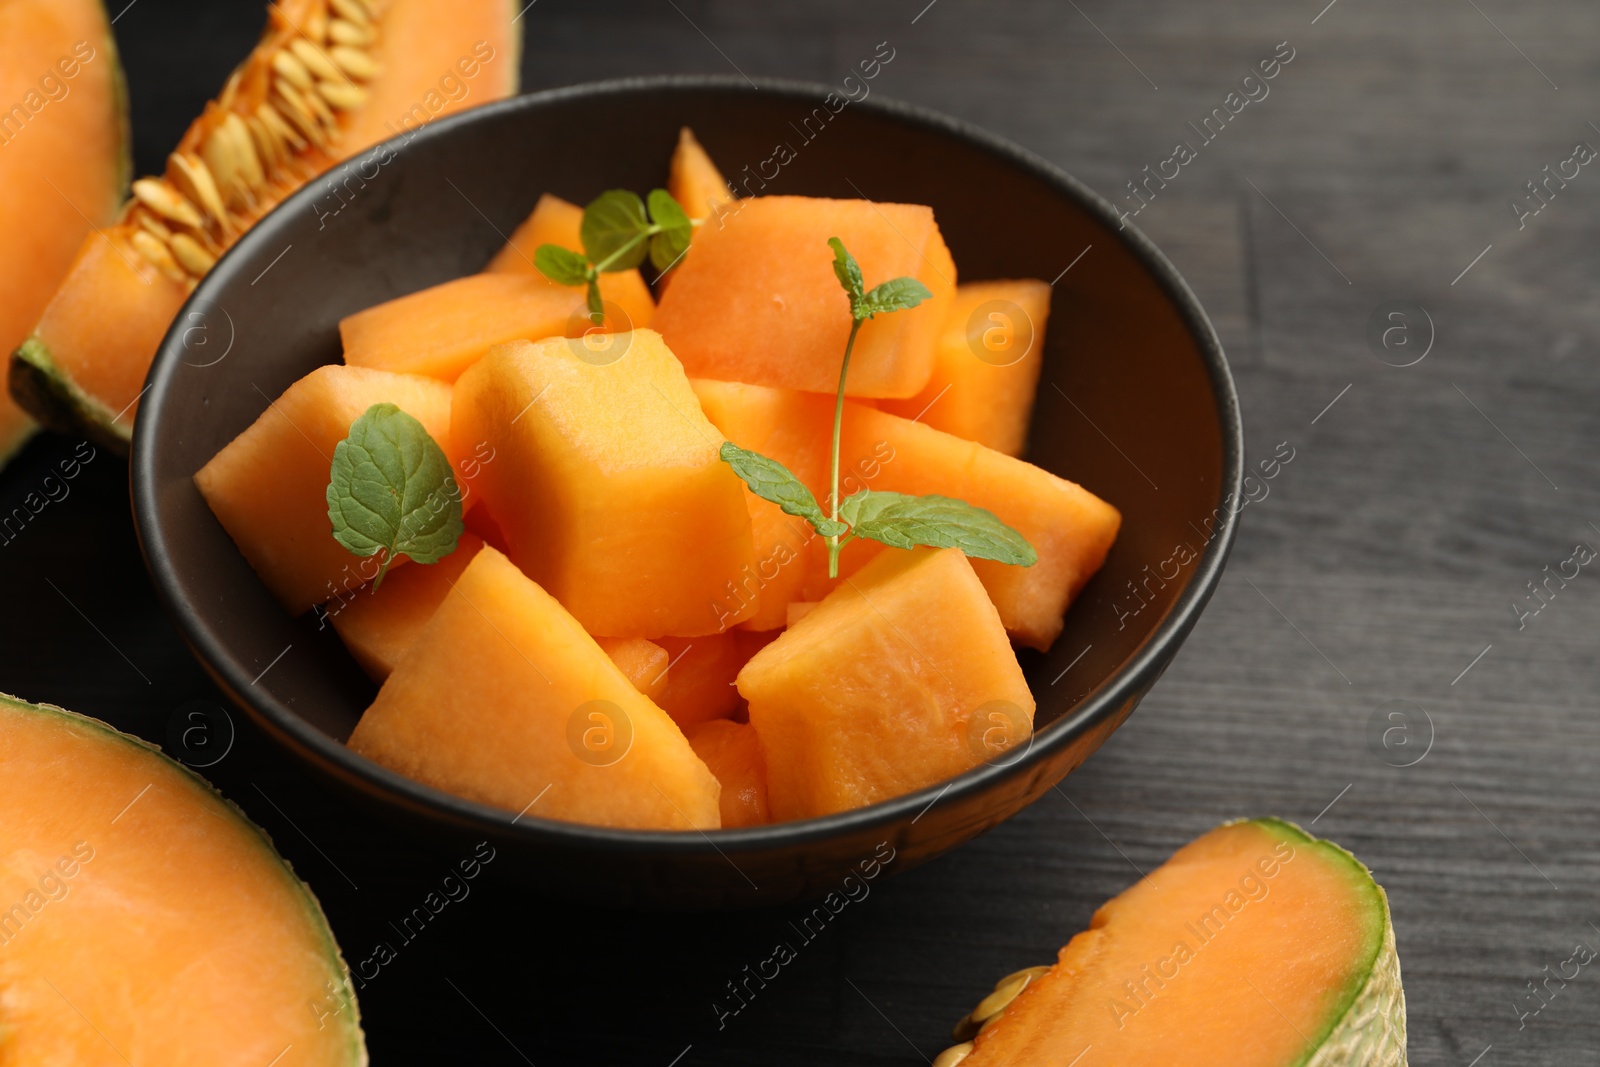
(986,367)
(268,486)
(694,181)
(644,663)
(901,678)
(149,921)
(64,161)
(757,300)
(1256,945)
(327,81)
(733,753)
(543,723)
(555,221)
(607,484)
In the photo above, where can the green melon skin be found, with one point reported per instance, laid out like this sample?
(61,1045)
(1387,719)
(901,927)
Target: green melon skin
(49,394)
(348,1015)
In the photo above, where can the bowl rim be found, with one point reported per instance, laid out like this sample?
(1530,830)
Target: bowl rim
(335,757)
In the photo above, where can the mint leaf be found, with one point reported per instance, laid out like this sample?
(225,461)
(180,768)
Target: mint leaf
(613,229)
(848,271)
(896,294)
(771,480)
(669,245)
(390,490)
(561,265)
(903,521)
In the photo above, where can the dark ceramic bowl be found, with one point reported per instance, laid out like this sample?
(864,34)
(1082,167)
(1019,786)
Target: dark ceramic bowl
(1135,403)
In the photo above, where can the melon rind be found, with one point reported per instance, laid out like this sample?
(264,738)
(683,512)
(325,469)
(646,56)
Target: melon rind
(48,393)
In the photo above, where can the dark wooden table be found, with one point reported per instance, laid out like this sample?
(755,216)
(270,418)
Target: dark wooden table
(1381,574)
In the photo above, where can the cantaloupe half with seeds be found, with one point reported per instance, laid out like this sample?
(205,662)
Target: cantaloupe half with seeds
(328,80)
(694,180)
(146,919)
(555,221)
(1256,945)
(543,722)
(64,162)
(901,678)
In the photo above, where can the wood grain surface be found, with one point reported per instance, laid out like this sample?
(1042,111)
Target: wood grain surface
(1376,576)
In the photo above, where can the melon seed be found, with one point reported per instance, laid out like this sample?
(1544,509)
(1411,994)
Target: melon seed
(316,61)
(953,1055)
(352,11)
(354,62)
(341,31)
(167,202)
(194,259)
(342,95)
(297,113)
(291,69)
(158,254)
(195,181)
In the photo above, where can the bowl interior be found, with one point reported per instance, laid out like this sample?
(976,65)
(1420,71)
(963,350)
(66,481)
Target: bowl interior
(1134,402)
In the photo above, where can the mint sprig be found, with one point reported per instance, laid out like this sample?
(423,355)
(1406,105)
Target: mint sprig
(617,232)
(391,490)
(895,519)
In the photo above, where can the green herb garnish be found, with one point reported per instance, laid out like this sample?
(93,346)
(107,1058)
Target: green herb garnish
(895,519)
(618,231)
(391,490)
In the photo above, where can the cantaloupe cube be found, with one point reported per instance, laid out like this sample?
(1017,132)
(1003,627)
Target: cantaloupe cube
(756,299)
(607,485)
(874,693)
(268,486)
(694,180)
(732,752)
(554,221)
(505,700)
(380,625)
(644,663)
(986,366)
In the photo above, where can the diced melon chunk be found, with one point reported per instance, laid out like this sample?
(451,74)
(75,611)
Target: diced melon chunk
(380,625)
(554,221)
(644,663)
(699,683)
(756,300)
(694,181)
(268,486)
(607,485)
(732,751)
(893,683)
(542,722)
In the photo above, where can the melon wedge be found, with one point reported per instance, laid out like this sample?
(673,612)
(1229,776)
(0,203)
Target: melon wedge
(986,366)
(757,300)
(694,180)
(1256,945)
(542,723)
(732,751)
(64,161)
(891,684)
(327,81)
(268,486)
(147,920)
(607,484)
(555,221)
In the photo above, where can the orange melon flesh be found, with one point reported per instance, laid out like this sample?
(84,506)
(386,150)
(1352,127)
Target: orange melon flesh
(555,221)
(732,751)
(694,181)
(699,684)
(757,300)
(643,663)
(442,331)
(875,692)
(147,920)
(607,484)
(1246,949)
(380,625)
(986,366)
(63,159)
(268,486)
(509,732)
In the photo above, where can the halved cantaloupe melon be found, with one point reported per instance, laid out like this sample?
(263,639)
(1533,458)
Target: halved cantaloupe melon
(555,221)
(1256,945)
(757,300)
(327,81)
(889,685)
(64,162)
(986,367)
(732,751)
(268,486)
(694,181)
(146,920)
(607,484)
(544,722)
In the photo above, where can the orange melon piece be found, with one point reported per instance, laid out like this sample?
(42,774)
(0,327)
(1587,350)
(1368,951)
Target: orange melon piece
(268,486)
(1256,945)
(891,684)
(146,919)
(544,722)
(1070,527)
(607,484)
(643,663)
(732,751)
(555,221)
(699,683)
(380,625)
(986,367)
(694,181)
(325,82)
(799,609)
(63,160)
(757,300)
